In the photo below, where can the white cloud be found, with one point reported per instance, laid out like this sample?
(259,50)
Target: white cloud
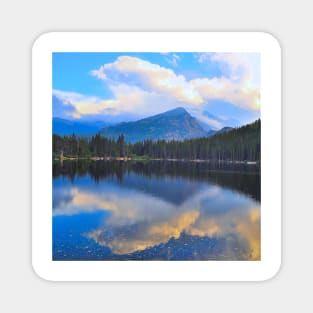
(99,73)
(173,59)
(243,67)
(84,105)
(240,81)
(151,77)
(239,85)
(229,91)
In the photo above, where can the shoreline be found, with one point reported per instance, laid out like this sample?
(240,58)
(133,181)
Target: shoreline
(126,159)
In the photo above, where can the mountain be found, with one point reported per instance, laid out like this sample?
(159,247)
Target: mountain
(68,127)
(225,129)
(175,124)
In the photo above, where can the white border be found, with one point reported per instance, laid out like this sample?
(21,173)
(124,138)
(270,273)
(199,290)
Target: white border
(270,51)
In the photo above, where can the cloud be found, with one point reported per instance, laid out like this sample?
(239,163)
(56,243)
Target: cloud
(127,98)
(126,208)
(234,66)
(250,230)
(146,88)
(240,80)
(240,67)
(99,73)
(151,234)
(245,226)
(214,123)
(63,107)
(224,89)
(239,85)
(173,59)
(77,202)
(137,221)
(81,104)
(151,77)
(202,57)
(174,227)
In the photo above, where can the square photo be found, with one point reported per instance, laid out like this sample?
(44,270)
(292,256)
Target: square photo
(156,156)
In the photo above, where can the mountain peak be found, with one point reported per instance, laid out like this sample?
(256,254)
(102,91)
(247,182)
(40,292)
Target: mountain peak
(176,111)
(175,124)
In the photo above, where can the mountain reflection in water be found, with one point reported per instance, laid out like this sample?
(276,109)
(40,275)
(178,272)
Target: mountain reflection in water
(156,210)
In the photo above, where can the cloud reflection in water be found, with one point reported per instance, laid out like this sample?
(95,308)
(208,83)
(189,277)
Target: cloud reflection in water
(139,221)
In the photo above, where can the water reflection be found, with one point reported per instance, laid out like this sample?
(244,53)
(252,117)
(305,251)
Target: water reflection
(155,211)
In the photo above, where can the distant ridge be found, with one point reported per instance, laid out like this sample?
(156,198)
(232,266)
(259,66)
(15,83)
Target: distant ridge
(63,127)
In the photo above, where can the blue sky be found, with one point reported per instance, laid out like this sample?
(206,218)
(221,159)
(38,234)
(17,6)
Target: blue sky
(115,87)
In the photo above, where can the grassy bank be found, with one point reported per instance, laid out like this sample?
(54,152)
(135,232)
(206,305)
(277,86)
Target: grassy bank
(146,159)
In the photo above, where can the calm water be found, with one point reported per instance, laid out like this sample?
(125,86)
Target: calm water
(109,210)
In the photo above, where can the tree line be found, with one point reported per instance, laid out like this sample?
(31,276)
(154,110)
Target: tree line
(238,144)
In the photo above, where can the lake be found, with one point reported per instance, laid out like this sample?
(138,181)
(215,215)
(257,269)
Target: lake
(155,210)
